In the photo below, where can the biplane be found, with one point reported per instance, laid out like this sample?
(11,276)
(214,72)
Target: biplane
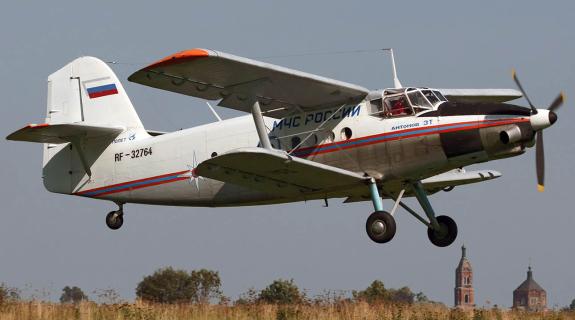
(305,137)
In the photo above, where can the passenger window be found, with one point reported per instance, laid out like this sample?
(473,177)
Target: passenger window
(346,133)
(295,141)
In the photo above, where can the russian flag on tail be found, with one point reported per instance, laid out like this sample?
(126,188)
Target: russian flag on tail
(102,91)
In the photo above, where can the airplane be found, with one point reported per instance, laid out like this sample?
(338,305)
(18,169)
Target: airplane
(305,137)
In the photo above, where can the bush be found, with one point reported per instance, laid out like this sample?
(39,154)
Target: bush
(376,292)
(8,293)
(72,295)
(177,286)
(281,292)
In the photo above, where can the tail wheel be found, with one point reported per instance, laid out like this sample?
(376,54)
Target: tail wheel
(446,234)
(380,227)
(115,219)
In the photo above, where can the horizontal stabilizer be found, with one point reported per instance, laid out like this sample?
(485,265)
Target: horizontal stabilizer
(62,133)
(278,173)
(480,95)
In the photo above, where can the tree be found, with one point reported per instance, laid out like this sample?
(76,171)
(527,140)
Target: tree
(207,285)
(376,292)
(72,295)
(178,286)
(572,305)
(281,292)
(166,286)
(402,295)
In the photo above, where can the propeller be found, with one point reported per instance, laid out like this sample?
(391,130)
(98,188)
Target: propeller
(539,149)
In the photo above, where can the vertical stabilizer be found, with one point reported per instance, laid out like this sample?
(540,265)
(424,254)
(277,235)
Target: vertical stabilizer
(87,90)
(85,93)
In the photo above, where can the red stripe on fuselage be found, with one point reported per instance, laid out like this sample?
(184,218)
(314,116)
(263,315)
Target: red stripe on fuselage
(134,181)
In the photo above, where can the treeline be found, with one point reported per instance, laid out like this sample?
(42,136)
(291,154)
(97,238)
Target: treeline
(204,287)
(171,286)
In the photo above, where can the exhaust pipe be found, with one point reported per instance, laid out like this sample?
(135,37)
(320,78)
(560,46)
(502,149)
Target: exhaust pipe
(511,135)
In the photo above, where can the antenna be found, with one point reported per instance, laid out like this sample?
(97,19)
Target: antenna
(396,82)
(214,111)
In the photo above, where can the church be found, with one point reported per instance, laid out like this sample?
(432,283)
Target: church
(464,293)
(529,296)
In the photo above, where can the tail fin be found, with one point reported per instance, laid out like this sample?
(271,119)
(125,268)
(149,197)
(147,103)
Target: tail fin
(87,90)
(85,95)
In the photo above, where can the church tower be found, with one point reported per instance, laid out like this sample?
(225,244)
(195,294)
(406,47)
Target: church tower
(464,296)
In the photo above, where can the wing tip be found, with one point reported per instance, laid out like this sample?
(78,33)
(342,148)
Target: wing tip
(179,57)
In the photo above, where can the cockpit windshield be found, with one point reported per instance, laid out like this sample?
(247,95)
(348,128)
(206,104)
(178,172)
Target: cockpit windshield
(418,101)
(405,101)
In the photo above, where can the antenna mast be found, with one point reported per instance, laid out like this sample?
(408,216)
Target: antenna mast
(396,82)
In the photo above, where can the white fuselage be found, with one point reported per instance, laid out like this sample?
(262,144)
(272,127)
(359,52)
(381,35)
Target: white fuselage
(139,168)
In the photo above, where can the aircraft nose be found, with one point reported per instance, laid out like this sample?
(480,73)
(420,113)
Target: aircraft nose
(552,117)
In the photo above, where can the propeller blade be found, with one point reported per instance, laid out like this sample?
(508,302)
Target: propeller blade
(557,102)
(540,162)
(516,79)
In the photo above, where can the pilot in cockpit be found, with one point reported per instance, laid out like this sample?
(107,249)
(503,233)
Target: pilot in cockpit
(398,106)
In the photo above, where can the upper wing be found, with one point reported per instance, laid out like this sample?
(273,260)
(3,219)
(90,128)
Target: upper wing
(277,172)
(62,133)
(480,95)
(214,75)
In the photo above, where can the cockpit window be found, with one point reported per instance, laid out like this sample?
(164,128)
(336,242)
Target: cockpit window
(418,101)
(397,106)
(439,95)
(430,96)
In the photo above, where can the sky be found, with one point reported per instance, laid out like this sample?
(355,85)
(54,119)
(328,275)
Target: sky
(48,241)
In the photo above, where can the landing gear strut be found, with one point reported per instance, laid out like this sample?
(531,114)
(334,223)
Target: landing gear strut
(115,219)
(380,225)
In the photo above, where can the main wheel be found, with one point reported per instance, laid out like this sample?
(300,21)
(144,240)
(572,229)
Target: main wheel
(380,226)
(115,219)
(446,234)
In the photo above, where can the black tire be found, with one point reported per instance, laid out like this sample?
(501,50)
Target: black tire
(380,226)
(448,234)
(114,220)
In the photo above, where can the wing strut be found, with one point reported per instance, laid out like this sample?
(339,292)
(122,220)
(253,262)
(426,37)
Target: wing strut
(260,126)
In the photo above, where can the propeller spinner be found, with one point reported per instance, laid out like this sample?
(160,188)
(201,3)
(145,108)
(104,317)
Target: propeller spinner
(537,118)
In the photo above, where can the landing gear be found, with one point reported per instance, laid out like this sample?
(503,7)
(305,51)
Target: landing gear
(380,226)
(446,234)
(115,219)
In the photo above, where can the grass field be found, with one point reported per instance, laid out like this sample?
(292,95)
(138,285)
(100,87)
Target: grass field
(92,311)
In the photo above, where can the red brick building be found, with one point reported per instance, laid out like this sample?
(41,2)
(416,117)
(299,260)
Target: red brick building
(464,294)
(529,295)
